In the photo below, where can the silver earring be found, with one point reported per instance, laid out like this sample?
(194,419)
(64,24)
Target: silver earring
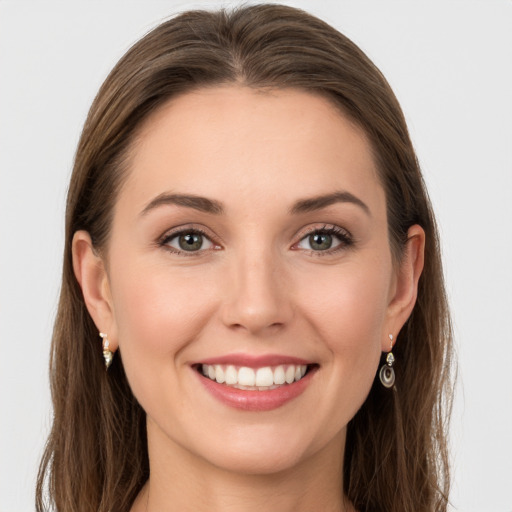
(107,354)
(387,374)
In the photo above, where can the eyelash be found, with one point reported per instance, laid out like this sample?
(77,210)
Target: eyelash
(345,238)
(164,241)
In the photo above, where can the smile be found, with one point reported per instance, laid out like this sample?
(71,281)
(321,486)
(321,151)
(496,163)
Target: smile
(254,379)
(255,384)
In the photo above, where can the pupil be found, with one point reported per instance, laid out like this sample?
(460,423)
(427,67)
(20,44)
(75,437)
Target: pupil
(320,241)
(191,242)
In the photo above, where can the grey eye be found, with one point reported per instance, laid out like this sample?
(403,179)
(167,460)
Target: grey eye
(319,241)
(190,242)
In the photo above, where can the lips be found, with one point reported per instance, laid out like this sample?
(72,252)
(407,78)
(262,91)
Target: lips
(259,383)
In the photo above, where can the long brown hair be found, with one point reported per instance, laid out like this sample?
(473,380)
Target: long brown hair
(96,458)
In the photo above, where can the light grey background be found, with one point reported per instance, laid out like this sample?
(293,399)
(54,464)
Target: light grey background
(449,63)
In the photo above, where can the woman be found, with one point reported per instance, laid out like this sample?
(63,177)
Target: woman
(251,253)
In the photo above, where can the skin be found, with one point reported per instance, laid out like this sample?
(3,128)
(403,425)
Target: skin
(257,288)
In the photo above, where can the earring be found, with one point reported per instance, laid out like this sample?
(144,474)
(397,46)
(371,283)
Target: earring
(387,374)
(107,354)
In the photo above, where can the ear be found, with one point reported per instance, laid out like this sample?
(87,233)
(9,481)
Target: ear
(405,289)
(91,274)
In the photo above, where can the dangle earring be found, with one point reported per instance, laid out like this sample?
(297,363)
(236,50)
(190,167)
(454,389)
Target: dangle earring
(107,354)
(387,374)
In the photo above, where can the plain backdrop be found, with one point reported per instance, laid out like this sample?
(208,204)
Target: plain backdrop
(449,63)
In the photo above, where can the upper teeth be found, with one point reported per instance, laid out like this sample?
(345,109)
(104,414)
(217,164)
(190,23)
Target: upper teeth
(254,377)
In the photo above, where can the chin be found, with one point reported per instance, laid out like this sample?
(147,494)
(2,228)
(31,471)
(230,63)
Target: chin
(258,458)
(265,449)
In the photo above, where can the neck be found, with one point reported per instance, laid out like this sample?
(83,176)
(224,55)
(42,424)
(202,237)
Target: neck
(181,481)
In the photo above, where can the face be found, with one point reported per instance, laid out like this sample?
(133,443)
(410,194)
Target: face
(249,243)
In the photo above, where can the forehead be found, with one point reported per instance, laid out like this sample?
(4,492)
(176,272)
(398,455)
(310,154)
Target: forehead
(256,144)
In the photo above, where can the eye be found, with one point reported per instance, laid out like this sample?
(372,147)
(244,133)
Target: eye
(190,240)
(319,241)
(326,239)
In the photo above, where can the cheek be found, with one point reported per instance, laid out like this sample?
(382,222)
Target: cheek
(350,304)
(157,315)
(347,310)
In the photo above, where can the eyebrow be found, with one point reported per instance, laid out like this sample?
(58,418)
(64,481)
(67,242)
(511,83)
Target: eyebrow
(206,205)
(202,204)
(318,202)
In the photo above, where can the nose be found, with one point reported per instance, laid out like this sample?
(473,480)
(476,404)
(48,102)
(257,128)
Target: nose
(258,298)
